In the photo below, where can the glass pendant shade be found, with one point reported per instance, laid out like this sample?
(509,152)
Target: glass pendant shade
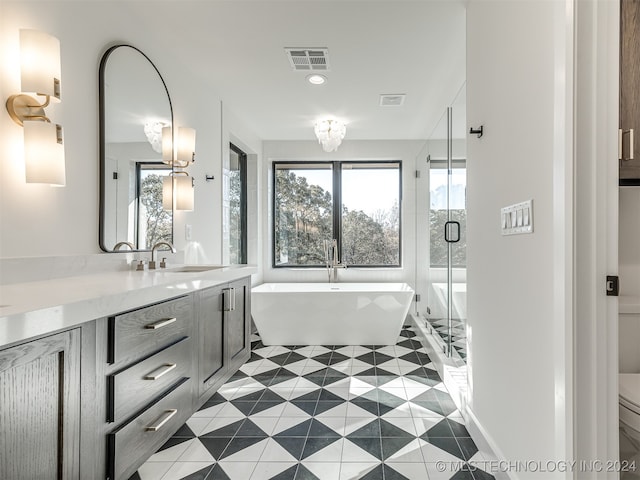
(40,64)
(167,192)
(186,145)
(167,145)
(184,192)
(330,134)
(178,188)
(44,153)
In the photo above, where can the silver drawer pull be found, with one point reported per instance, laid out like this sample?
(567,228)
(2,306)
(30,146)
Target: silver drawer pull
(161,323)
(159,372)
(166,416)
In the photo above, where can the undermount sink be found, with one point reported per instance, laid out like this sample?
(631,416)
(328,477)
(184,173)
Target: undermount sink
(193,268)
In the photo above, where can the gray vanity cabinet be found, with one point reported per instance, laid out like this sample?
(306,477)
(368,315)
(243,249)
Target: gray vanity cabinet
(224,318)
(629,92)
(150,352)
(212,364)
(40,408)
(96,401)
(238,325)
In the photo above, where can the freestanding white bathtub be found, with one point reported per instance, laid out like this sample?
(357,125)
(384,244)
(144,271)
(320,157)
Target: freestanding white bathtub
(330,313)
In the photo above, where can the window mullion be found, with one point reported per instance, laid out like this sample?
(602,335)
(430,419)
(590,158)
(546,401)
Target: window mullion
(337,205)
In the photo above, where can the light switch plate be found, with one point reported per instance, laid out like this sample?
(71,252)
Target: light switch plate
(517,219)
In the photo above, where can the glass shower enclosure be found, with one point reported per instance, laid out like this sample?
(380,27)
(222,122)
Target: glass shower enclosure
(445,311)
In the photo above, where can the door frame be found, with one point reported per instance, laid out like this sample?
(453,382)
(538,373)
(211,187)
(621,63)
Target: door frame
(595,226)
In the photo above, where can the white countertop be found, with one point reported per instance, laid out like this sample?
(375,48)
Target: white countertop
(36,308)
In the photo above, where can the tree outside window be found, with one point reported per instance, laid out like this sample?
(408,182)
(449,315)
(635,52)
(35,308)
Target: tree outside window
(356,203)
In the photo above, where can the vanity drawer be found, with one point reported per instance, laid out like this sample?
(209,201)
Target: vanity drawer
(132,388)
(136,333)
(130,445)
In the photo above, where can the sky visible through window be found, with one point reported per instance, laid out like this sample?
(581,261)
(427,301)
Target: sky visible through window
(438,188)
(371,193)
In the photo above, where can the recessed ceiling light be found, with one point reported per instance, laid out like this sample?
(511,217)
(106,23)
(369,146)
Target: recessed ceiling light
(316,79)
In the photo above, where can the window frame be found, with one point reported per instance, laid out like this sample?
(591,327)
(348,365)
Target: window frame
(141,166)
(336,172)
(242,167)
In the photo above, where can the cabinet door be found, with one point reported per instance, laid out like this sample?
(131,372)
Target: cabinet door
(630,90)
(237,307)
(40,408)
(211,356)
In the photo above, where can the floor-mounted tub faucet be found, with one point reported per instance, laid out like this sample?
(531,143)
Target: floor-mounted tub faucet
(331,260)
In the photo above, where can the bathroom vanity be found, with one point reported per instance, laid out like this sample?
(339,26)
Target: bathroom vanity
(98,371)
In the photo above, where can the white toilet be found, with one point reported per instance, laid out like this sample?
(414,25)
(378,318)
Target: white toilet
(629,385)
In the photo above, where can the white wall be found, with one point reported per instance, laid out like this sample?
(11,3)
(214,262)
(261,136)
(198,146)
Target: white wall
(235,132)
(406,151)
(512,66)
(629,258)
(629,241)
(38,220)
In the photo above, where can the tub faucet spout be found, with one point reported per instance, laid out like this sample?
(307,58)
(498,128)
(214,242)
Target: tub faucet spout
(332,262)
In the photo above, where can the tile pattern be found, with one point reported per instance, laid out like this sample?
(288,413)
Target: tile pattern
(328,413)
(458,335)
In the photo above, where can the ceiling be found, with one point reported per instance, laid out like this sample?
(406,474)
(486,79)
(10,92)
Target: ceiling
(415,48)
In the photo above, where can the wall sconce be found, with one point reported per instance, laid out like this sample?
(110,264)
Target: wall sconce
(185,151)
(184,191)
(178,191)
(178,188)
(39,76)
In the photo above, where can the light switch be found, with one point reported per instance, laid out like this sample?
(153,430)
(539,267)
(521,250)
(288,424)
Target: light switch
(517,218)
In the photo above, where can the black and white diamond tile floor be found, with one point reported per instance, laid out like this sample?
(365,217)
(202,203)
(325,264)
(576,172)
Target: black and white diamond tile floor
(457,333)
(327,413)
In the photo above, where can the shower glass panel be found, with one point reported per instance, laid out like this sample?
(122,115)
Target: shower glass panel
(447,231)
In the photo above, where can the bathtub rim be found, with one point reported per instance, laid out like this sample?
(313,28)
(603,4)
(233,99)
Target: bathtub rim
(333,288)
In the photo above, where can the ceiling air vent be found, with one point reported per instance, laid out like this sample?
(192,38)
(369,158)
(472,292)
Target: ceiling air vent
(308,59)
(394,100)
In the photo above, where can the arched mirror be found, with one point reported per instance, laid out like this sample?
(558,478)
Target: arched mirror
(134,107)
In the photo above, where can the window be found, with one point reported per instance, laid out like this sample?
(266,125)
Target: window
(237,206)
(357,203)
(154,223)
(438,211)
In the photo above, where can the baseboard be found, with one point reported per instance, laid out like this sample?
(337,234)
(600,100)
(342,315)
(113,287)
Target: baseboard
(487,446)
(453,375)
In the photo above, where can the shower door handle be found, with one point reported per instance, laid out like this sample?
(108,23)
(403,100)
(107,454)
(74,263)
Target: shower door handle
(447,232)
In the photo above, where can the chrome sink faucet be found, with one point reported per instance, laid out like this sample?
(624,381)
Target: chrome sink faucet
(331,260)
(118,245)
(152,263)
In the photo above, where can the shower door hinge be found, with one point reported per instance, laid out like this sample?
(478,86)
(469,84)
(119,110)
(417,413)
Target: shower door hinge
(417,173)
(417,297)
(613,285)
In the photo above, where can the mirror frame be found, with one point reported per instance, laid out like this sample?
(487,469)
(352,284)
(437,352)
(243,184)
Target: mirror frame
(102,136)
